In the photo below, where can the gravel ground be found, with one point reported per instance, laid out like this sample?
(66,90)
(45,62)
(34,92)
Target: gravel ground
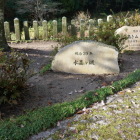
(118,118)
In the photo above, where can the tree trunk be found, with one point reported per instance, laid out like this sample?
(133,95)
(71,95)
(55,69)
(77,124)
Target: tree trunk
(3,42)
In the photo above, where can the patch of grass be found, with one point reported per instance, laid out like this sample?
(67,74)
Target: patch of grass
(35,121)
(128,52)
(48,66)
(55,51)
(45,69)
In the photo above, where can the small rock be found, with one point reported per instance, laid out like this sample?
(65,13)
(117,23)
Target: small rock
(102,122)
(58,124)
(104,108)
(50,138)
(75,91)
(70,93)
(46,56)
(80,91)
(97,105)
(94,136)
(133,90)
(110,99)
(76,118)
(120,100)
(92,126)
(138,125)
(83,121)
(117,111)
(128,110)
(96,117)
(134,104)
(72,128)
(128,90)
(112,106)
(84,109)
(81,132)
(102,103)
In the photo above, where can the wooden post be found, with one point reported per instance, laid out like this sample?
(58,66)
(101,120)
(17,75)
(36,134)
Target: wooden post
(73,28)
(91,26)
(36,31)
(82,28)
(100,21)
(64,26)
(109,18)
(45,29)
(26,30)
(54,28)
(7,31)
(17,29)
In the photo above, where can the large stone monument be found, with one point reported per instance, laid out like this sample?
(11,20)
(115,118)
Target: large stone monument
(133,34)
(87,57)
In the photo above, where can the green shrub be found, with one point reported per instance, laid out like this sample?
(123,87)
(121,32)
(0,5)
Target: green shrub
(106,33)
(132,17)
(13,75)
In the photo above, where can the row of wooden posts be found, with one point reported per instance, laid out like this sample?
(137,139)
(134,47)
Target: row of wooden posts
(65,30)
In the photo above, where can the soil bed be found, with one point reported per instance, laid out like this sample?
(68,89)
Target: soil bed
(54,87)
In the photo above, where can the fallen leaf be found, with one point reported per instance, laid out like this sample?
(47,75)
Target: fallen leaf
(87,111)
(112,87)
(87,98)
(75,131)
(69,117)
(96,93)
(121,92)
(90,106)
(111,82)
(61,136)
(14,102)
(58,123)
(49,103)
(68,124)
(104,84)
(80,112)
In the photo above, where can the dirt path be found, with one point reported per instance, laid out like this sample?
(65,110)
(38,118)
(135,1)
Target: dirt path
(55,87)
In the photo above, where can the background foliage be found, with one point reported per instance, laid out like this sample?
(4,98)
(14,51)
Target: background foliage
(27,9)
